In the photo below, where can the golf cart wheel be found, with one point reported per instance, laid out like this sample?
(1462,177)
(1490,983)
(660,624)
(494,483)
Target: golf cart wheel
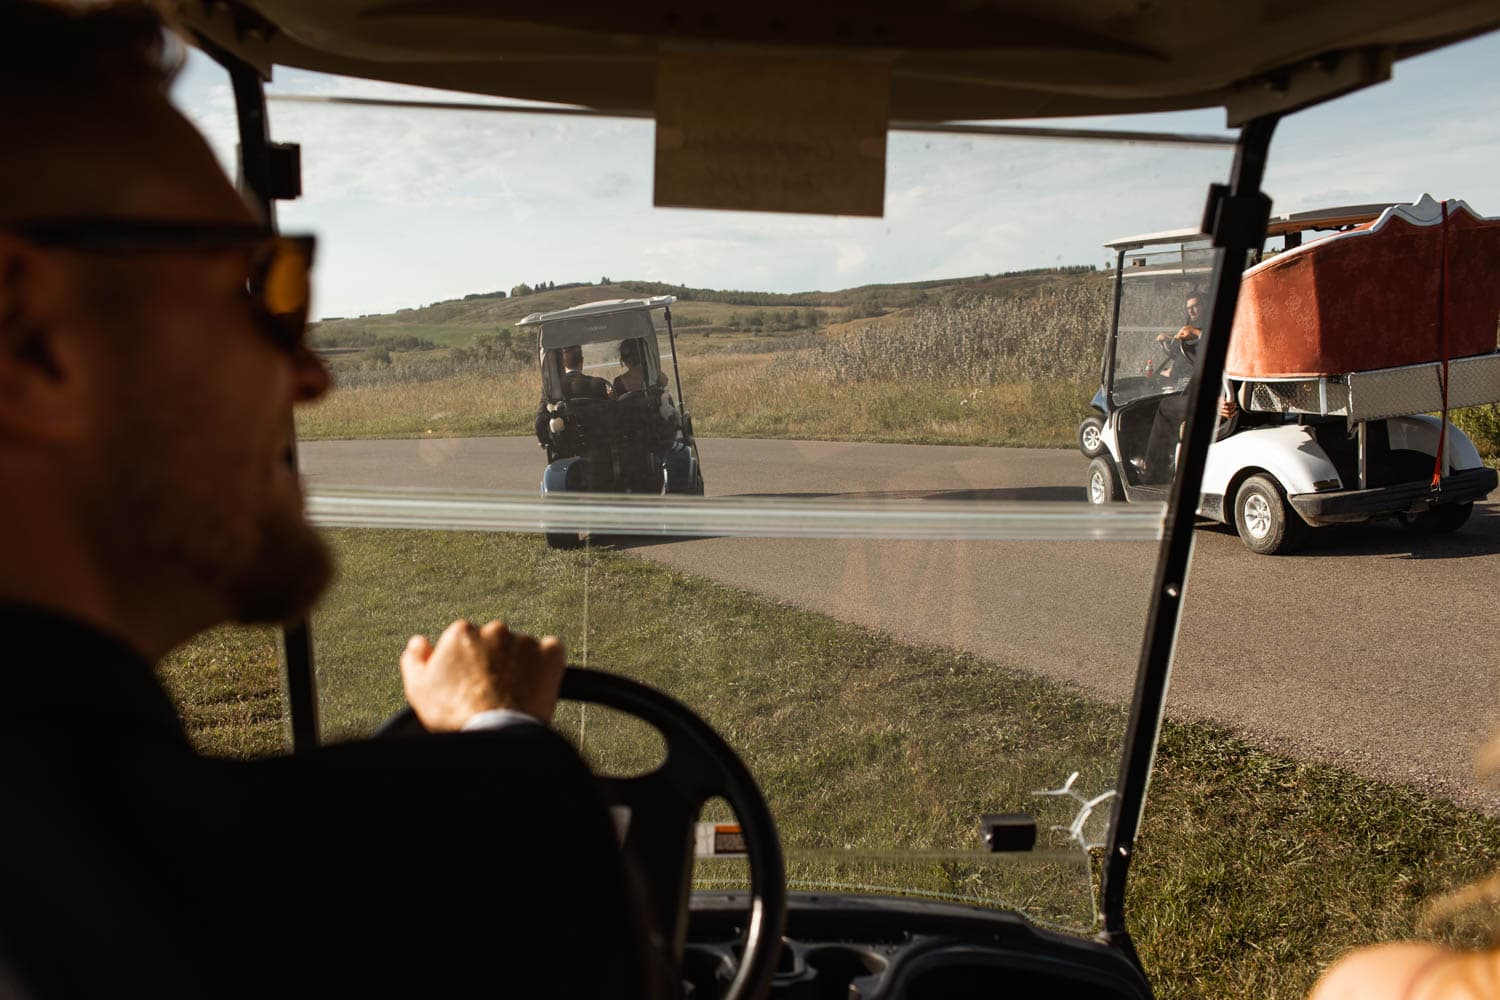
(1267,525)
(563,540)
(1089,441)
(1103,482)
(1439,520)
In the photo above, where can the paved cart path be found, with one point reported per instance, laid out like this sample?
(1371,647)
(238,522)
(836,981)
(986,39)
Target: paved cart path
(1375,649)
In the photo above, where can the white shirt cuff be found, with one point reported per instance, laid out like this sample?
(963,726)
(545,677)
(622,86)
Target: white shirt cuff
(498,718)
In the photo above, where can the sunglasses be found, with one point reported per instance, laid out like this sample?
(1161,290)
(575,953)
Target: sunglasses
(278,282)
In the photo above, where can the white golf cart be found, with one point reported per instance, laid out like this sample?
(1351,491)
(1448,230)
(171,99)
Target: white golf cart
(631,437)
(1301,449)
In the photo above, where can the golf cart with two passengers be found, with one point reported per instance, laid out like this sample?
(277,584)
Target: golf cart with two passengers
(1343,347)
(861,850)
(614,426)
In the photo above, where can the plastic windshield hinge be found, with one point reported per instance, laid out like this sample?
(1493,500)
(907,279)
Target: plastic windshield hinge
(286,170)
(1235,220)
(1007,832)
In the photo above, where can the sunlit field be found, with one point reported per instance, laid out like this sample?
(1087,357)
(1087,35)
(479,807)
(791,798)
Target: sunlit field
(1012,367)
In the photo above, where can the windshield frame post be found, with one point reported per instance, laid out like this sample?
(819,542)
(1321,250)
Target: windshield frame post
(672,343)
(257,185)
(1111,343)
(1236,217)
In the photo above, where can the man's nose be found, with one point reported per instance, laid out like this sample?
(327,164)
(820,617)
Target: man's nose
(312,380)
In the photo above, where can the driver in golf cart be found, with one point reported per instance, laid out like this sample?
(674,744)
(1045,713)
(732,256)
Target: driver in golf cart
(1160,460)
(1166,429)
(151,349)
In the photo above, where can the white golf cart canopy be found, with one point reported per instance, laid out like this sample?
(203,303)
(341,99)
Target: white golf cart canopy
(941,62)
(786,107)
(1279,225)
(614,319)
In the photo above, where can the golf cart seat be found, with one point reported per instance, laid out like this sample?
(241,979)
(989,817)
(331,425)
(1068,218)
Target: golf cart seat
(638,417)
(616,453)
(584,426)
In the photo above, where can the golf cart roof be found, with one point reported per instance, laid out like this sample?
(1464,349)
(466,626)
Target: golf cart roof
(596,322)
(1279,225)
(1004,59)
(600,308)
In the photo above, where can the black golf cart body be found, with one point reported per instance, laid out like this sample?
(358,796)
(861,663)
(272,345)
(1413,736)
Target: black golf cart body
(1302,451)
(858,934)
(633,441)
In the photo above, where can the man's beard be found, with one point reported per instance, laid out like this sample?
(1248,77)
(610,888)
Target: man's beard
(269,570)
(284,577)
(191,536)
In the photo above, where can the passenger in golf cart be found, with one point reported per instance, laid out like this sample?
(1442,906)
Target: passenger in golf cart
(1325,408)
(607,417)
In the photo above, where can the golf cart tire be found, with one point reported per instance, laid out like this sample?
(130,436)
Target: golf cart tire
(1266,522)
(1089,440)
(1439,520)
(1103,483)
(563,540)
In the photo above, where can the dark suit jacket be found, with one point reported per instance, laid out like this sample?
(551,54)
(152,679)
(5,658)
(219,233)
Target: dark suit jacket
(577,385)
(432,866)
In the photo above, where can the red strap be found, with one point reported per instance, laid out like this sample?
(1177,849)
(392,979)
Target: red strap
(1437,464)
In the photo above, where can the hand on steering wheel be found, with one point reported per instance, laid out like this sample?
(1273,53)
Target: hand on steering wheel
(663,806)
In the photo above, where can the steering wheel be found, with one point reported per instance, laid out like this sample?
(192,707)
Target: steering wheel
(663,807)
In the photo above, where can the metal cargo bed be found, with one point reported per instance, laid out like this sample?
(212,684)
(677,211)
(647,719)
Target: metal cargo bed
(1383,392)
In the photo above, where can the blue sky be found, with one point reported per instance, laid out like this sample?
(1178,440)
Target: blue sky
(414,207)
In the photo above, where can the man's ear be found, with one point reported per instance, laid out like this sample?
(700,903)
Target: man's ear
(43,383)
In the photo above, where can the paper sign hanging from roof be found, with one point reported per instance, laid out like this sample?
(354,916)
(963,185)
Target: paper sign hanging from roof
(771,133)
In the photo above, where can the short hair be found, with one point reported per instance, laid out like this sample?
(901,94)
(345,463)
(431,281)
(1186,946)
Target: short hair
(66,71)
(571,354)
(74,50)
(1196,292)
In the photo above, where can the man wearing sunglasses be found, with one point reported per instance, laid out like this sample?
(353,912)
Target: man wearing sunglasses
(151,351)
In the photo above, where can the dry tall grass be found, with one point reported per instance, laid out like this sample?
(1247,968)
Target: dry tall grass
(1015,371)
(458,406)
(1055,335)
(790,396)
(984,370)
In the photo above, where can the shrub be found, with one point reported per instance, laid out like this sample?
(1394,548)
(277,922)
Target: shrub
(1482,424)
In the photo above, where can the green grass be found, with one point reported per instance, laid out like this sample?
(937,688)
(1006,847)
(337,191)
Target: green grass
(228,686)
(1253,871)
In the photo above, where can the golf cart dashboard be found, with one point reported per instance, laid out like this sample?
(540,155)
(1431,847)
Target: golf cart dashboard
(839,946)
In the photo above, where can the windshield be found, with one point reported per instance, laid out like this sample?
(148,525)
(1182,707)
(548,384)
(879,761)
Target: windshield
(883,598)
(1164,298)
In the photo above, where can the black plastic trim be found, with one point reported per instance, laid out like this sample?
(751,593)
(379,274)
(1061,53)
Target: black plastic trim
(1347,506)
(1108,380)
(257,182)
(907,937)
